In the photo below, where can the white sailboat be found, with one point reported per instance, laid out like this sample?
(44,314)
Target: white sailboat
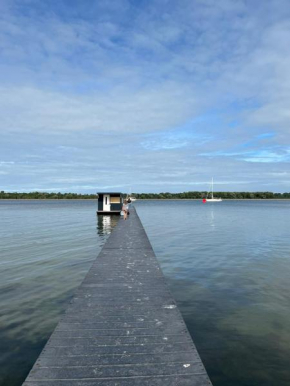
(211,198)
(130,198)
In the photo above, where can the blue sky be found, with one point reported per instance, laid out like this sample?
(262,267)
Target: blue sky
(144,95)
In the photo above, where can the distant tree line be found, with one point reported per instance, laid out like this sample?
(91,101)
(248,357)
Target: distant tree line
(140,196)
(45,196)
(224,195)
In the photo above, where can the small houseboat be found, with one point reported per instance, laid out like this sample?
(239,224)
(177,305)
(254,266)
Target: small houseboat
(110,203)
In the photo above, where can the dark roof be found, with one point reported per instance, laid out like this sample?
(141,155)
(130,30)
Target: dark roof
(109,193)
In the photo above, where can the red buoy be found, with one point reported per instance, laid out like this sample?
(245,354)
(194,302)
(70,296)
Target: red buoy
(204,200)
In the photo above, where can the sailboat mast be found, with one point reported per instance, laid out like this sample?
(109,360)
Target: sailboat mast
(212,187)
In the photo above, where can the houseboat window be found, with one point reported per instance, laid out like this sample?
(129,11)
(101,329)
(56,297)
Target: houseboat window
(106,200)
(115,200)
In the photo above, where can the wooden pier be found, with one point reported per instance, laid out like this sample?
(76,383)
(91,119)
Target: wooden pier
(122,327)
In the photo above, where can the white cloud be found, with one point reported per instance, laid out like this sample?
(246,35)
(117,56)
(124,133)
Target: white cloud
(141,111)
(80,93)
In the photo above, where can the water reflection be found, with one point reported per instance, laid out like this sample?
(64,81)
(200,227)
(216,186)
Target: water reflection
(41,264)
(106,224)
(211,221)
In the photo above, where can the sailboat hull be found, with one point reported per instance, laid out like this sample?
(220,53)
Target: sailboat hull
(213,199)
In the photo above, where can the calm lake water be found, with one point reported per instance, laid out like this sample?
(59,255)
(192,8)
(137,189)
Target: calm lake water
(228,266)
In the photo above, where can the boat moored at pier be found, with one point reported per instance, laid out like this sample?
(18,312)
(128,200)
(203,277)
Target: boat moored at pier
(110,203)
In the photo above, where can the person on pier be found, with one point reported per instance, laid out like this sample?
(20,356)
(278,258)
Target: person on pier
(125,209)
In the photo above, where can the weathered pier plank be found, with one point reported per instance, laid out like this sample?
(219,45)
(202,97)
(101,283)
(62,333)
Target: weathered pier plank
(122,328)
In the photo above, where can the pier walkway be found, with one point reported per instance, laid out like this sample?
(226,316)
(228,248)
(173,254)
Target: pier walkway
(122,327)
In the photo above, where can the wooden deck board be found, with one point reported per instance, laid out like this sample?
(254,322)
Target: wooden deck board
(123,327)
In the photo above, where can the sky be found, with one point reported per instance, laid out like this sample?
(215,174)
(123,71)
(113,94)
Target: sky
(144,96)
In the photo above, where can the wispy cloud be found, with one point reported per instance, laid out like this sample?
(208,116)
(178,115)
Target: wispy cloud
(266,155)
(187,135)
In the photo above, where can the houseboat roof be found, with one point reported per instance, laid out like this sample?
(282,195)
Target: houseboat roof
(109,193)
